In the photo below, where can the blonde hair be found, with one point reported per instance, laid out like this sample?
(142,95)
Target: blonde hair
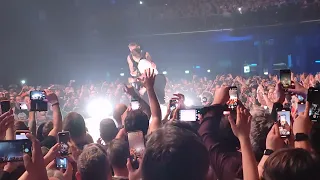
(52,173)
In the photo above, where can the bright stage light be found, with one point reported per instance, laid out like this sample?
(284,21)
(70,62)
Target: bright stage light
(121,74)
(99,108)
(23,82)
(188,102)
(208,71)
(141,2)
(187,71)
(164,72)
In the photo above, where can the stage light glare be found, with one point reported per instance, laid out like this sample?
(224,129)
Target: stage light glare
(188,102)
(23,82)
(208,70)
(141,2)
(164,72)
(99,108)
(266,73)
(187,71)
(122,74)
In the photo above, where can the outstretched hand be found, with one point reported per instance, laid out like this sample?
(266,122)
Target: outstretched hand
(134,174)
(6,120)
(241,128)
(274,141)
(148,79)
(302,123)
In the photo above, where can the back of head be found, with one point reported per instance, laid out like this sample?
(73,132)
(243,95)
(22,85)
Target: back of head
(47,127)
(75,124)
(108,130)
(93,163)
(260,126)
(174,153)
(136,121)
(118,152)
(20,125)
(291,164)
(118,111)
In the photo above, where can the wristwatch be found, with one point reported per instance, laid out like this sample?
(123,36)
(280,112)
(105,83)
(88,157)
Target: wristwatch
(267,152)
(301,137)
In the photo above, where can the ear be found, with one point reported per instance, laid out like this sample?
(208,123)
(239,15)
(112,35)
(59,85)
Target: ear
(78,176)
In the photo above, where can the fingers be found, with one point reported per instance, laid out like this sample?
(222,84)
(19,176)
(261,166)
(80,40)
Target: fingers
(27,161)
(36,149)
(276,129)
(231,121)
(307,108)
(129,166)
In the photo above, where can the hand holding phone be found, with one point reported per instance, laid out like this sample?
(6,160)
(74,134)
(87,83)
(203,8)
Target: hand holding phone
(63,140)
(173,104)
(233,101)
(136,147)
(284,123)
(285,78)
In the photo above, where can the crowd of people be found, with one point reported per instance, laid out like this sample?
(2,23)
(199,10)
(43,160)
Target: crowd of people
(243,144)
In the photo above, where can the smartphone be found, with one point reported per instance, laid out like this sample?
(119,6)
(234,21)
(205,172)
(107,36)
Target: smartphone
(21,134)
(5,106)
(314,100)
(38,101)
(61,162)
(233,101)
(189,115)
(13,150)
(23,106)
(135,105)
(136,147)
(173,104)
(285,78)
(300,98)
(284,123)
(63,139)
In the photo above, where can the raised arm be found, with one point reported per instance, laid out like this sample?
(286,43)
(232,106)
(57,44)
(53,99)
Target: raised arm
(57,117)
(241,129)
(148,82)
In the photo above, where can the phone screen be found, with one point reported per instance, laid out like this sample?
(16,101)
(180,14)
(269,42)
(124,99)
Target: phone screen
(284,123)
(61,162)
(37,95)
(189,115)
(13,150)
(314,100)
(233,101)
(5,106)
(285,77)
(63,138)
(136,147)
(38,101)
(135,105)
(21,136)
(301,107)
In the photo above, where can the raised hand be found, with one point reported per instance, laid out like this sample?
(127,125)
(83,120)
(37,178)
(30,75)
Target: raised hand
(299,89)
(6,120)
(221,96)
(134,174)
(130,90)
(241,128)
(148,79)
(35,165)
(51,97)
(274,141)
(302,123)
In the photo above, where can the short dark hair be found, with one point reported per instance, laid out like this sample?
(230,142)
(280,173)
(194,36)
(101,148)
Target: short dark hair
(47,127)
(261,124)
(20,125)
(93,163)
(118,152)
(75,124)
(175,153)
(108,130)
(291,164)
(136,121)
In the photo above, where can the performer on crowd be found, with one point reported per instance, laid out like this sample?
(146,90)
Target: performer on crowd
(139,61)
